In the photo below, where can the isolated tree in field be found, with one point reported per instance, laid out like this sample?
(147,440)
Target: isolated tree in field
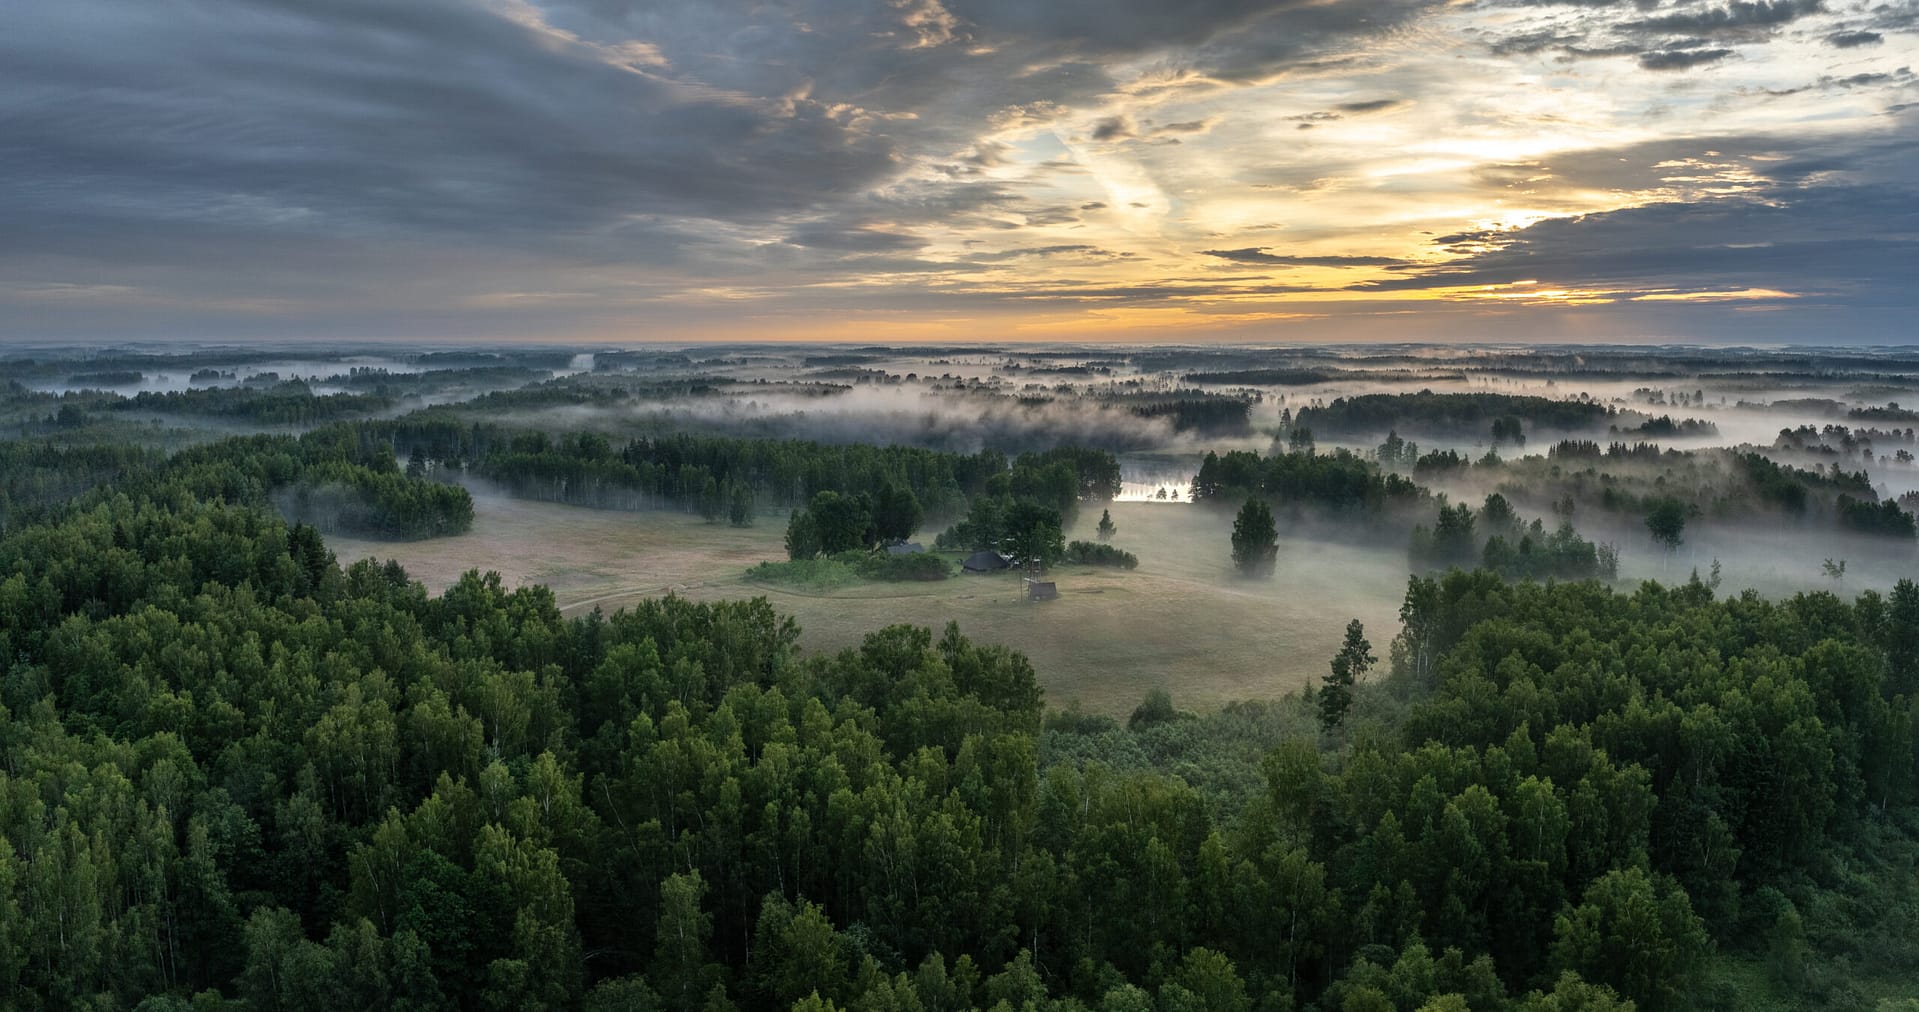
(1667,522)
(1354,659)
(712,501)
(739,507)
(1255,539)
(1106,527)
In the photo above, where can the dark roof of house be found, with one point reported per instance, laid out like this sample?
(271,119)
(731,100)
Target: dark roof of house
(983,561)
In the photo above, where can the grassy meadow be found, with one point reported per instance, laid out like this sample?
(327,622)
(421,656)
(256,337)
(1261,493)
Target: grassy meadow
(1181,620)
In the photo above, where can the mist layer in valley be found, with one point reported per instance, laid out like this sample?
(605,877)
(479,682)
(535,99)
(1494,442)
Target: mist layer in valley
(1778,471)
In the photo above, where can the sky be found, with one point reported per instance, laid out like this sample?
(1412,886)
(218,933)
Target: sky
(998,170)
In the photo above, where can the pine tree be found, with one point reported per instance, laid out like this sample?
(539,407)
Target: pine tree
(1106,527)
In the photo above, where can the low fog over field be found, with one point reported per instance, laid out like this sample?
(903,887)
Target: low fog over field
(1785,470)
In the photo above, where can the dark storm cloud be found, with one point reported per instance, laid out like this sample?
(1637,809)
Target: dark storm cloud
(1255,255)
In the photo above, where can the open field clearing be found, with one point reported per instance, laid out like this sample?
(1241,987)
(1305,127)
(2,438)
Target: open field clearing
(1181,620)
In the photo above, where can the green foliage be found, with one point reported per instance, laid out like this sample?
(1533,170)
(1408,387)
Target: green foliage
(1451,541)
(896,513)
(1255,540)
(1204,414)
(1349,666)
(1636,932)
(832,523)
(1106,528)
(1341,481)
(585,469)
(1871,516)
(1667,522)
(739,506)
(847,568)
(1450,414)
(1092,553)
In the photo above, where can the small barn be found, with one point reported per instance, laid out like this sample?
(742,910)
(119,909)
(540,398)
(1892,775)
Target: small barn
(1042,590)
(984,562)
(905,548)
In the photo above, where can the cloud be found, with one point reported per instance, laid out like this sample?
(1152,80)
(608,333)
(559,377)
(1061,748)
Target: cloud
(1372,105)
(855,239)
(1084,250)
(1681,59)
(1255,255)
(1738,16)
(308,167)
(1859,243)
(1853,40)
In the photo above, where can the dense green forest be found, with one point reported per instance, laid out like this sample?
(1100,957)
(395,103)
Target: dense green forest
(587,469)
(232,772)
(339,479)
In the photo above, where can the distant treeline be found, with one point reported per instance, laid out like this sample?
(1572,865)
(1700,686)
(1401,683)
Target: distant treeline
(1496,539)
(1665,427)
(1205,415)
(384,381)
(107,378)
(586,469)
(333,479)
(1570,449)
(1455,414)
(289,403)
(1889,413)
(1261,377)
(1341,481)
